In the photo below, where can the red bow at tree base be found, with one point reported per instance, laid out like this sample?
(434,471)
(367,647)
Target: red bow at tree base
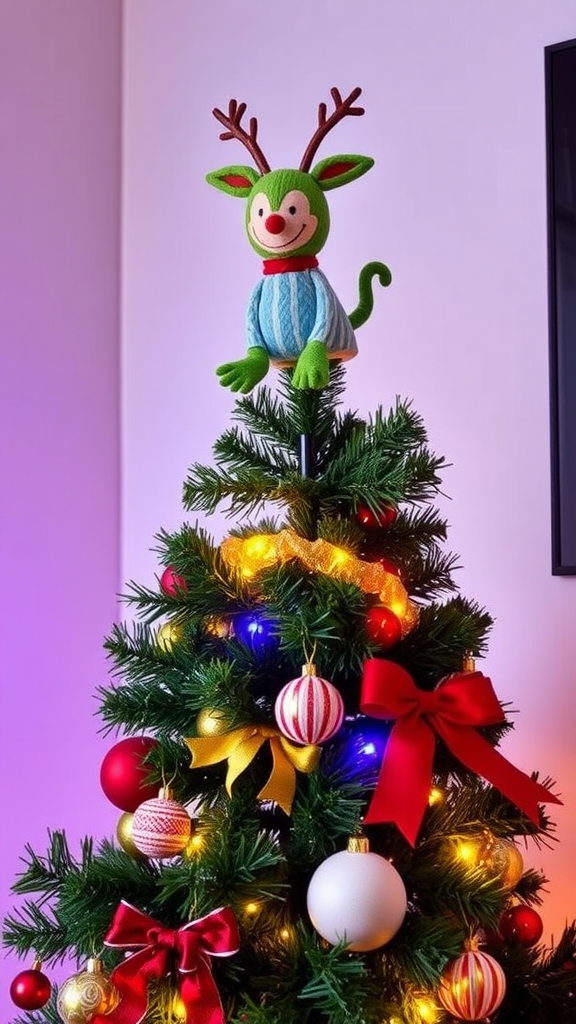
(158,951)
(453,711)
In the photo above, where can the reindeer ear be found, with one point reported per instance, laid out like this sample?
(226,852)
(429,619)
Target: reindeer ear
(339,170)
(236,180)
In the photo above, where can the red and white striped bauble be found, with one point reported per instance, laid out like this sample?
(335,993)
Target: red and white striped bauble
(472,986)
(161,827)
(309,709)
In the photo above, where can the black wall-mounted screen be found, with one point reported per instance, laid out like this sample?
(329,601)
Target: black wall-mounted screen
(560,75)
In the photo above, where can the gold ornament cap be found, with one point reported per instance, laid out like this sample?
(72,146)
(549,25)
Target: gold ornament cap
(358,844)
(309,669)
(468,663)
(94,965)
(165,793)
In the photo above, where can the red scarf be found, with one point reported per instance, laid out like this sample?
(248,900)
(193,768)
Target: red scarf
(284,264)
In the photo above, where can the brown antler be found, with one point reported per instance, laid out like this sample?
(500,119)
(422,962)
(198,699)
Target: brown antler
(231,122)
(325,124)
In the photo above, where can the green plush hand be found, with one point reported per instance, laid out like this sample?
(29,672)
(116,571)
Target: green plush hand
(312,371)
(244,374)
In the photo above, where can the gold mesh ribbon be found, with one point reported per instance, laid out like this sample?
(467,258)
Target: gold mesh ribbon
(251,554)
(241,746)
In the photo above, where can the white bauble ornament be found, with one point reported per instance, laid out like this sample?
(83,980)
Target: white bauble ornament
(357,897)
(309,709)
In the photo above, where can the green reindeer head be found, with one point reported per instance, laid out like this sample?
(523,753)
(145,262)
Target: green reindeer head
(287,213)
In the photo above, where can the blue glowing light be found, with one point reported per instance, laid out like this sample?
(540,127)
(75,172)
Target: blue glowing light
(256,631)
(364,742)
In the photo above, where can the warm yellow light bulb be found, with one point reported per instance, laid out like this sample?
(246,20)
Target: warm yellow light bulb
(427,1009)
(435,796)
(467,852)
(217,627)
(179,1008)
(260,548)
(251,908)
(398,607)
(338,559)
(285,934)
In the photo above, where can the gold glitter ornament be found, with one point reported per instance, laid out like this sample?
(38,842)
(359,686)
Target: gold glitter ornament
(124,836)
(212,722)
(86,994)
(252,554)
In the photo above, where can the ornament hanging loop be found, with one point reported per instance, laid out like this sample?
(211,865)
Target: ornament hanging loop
(309,666)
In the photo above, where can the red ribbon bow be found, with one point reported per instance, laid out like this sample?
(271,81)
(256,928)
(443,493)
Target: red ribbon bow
(454,710)
(158,948)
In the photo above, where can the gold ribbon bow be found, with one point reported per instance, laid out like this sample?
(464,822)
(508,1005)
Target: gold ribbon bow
(252,554)
(240,747)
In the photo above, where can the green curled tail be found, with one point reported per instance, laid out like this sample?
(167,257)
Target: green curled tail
(365,305)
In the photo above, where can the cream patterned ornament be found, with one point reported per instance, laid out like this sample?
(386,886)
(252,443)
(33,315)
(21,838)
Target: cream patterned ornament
(161,827)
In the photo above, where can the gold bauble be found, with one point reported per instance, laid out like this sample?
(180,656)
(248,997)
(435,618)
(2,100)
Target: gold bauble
(86,994)
(507,862)
(499,858)
(168,635)
(212,722)
(218,627)
(124,836)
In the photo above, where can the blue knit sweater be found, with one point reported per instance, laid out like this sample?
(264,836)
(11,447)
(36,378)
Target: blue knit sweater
(288,310)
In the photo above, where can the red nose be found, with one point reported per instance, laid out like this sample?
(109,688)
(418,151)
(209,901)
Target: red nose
(274,223)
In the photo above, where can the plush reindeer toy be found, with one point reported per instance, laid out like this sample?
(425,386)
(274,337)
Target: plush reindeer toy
(294,317)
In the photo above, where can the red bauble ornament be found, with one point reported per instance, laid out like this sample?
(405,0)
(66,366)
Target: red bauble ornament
(31,989)
(472,986)
(521,924)
(375,521)
(161,827)
(383,627)
(123,774)
(309,709)
(171,582)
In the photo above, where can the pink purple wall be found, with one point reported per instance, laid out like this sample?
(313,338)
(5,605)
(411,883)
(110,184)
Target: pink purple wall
(60,107)
(454,96)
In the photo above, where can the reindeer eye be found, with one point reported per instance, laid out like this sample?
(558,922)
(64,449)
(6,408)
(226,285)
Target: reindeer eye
(292,210)
(260,212)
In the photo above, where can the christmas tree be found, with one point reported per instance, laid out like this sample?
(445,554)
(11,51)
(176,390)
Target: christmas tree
(316,821)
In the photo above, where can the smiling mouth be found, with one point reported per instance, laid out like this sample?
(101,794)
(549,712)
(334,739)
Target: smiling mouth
(282,245)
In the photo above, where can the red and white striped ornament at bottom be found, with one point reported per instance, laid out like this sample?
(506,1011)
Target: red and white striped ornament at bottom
(472,986)
(309,709)
(161,827)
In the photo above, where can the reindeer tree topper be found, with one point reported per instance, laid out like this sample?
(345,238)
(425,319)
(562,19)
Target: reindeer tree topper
(294,317)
